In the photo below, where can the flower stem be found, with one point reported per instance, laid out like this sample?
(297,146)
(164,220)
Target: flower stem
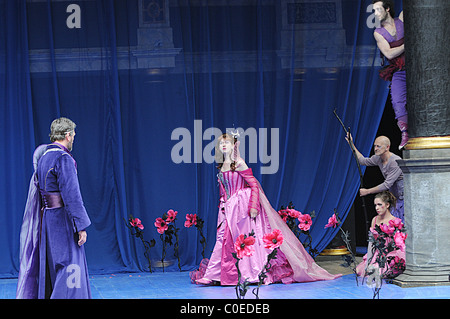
(262,275)
(346,240)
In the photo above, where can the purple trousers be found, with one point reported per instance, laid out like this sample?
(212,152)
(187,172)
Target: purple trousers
(398,95)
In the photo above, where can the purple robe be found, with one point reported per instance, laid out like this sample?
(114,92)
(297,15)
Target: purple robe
(61,269)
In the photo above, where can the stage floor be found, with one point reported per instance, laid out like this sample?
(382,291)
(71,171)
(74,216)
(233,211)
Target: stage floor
(176,285)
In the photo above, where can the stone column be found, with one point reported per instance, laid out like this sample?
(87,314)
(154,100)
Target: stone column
(426,160)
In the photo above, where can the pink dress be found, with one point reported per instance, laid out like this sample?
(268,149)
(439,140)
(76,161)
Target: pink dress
(399,257)
(240,191)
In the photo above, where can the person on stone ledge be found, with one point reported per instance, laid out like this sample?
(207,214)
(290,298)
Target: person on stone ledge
(390,40)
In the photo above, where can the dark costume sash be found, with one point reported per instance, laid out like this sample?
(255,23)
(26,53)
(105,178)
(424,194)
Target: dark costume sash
(52,199)
(396,64)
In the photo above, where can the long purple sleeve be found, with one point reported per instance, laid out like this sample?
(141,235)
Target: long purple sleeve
(70,192)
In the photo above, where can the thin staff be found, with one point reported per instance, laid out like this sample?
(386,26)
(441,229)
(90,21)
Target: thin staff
(361,180)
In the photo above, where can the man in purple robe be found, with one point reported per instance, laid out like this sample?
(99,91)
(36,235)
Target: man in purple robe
(53,262)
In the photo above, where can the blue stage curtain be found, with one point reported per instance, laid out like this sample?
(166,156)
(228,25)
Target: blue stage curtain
(17,140)
(232,66)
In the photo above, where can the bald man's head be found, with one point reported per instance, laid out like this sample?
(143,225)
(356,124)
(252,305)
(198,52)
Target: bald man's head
(383,140)
(381,145)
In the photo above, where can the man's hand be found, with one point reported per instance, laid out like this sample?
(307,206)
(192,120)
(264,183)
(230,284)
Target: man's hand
(363,192)
(82,237)
(349,138)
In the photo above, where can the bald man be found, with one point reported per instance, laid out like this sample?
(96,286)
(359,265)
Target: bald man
(387,162)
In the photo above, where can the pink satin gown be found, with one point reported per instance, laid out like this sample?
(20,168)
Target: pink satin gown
(240,191)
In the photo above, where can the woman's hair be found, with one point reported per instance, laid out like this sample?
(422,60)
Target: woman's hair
(60,127)
(219,157)
(388,198)
(387,4)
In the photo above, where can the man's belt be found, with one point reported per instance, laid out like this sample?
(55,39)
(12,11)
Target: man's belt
(52,199)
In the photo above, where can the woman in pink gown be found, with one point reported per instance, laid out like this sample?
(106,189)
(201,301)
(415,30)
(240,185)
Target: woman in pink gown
(244,208)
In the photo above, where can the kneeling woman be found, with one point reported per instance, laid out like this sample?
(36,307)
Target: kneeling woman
(244,208)
(393,236)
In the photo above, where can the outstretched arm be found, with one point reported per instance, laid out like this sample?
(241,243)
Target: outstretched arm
(367,191)
(363,161)
(349,140)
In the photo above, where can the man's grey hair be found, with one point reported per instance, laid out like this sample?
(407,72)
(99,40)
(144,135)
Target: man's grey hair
(60,127)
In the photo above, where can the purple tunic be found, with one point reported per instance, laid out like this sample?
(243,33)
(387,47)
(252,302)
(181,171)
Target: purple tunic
(62,268)
(398,80)
(399,31)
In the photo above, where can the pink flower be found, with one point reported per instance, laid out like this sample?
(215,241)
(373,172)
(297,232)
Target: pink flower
(283,214)
(397,265)
(389,230)
(136,223)
(191,220)
(332,222)
(399,239)
(244,246)
(397,223)
(394,261)
(293,213)
(273,240)
(161,225)
(305,222)
(171,215)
